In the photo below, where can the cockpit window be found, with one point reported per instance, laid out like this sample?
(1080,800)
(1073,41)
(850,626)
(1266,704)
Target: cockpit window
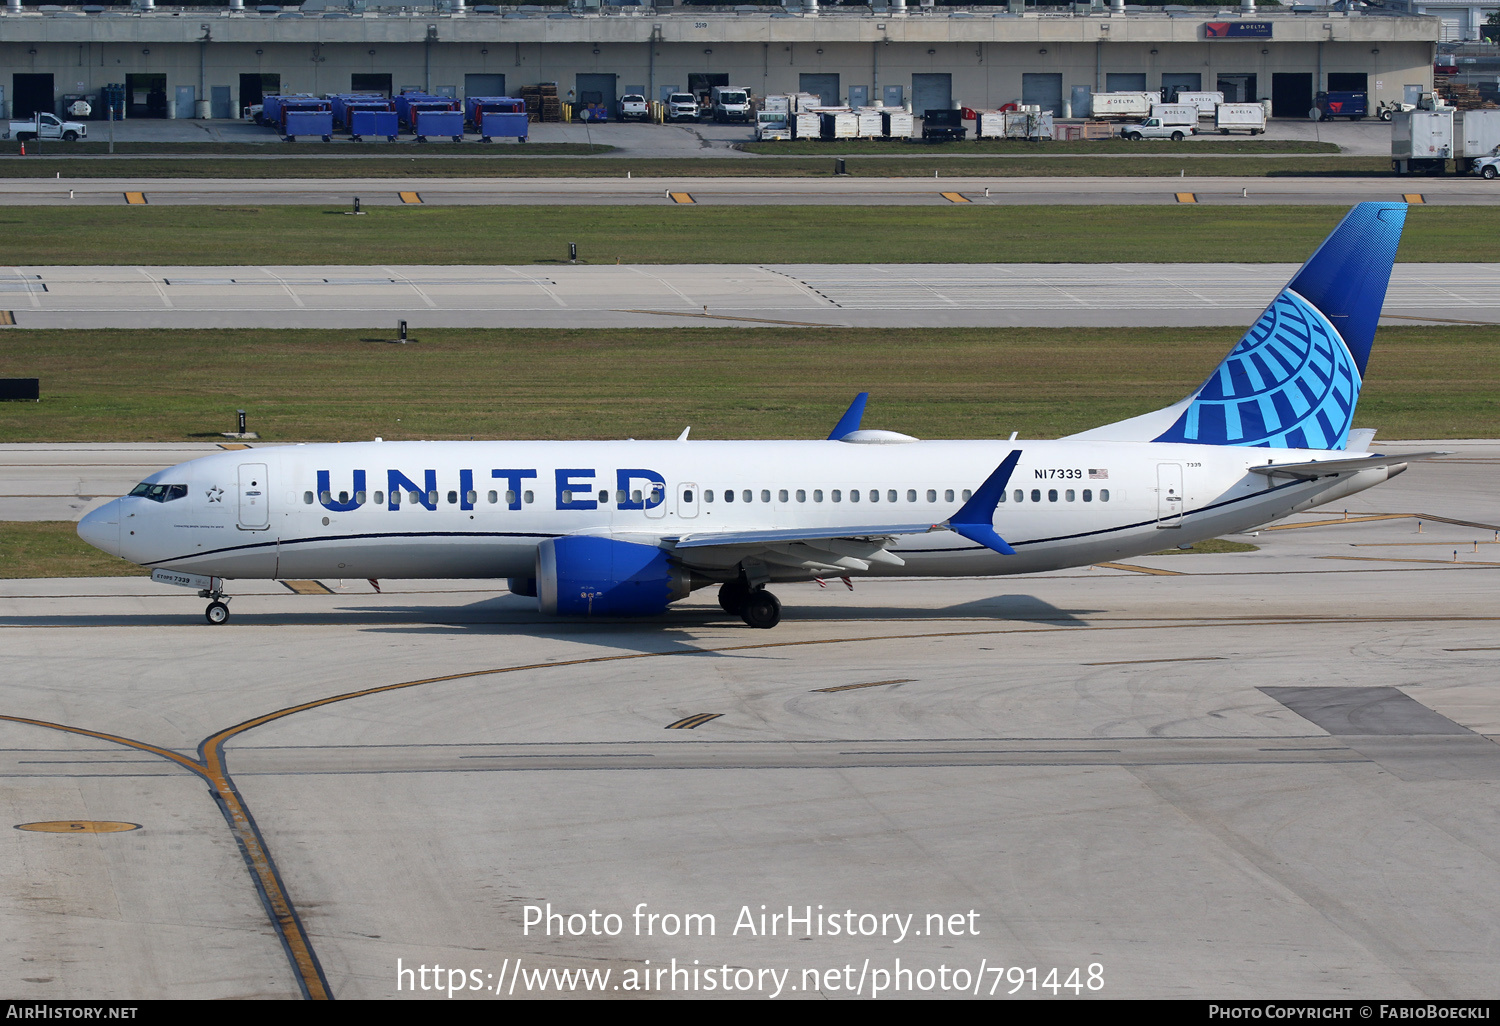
(159,492)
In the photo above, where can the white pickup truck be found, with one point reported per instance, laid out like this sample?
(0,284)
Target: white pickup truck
(47,126)
(1152,128)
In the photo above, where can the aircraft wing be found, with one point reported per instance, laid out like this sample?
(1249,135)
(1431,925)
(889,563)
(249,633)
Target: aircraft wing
(852,547)
(1314,469)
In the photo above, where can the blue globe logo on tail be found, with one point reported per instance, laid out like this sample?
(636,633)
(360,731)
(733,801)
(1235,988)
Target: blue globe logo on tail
(1291,383)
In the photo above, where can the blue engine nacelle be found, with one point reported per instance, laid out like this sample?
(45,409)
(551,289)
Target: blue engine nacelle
(587,576)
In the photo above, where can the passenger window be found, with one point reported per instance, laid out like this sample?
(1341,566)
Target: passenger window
(324,497)
(890,496)
(1051,494)
(343,498)
(729,495)
(911,495)
(412,497)
(687,495)
(817,495)
(1104,495)
(656,495)
(765,495)
(567,497)
(494,497)
(1002,496)
(471,497)
(1020,496)
(619,495)
(530,497)
(781,495)
(874,495)
(968,495)
(837,495)
(380,498)
(1036,495)
(948,495)
(801,494)
(1088,495)
(359,497)
(854,495)
(307,497)
(453,498)
(932,495)
(708,495)
(510,497)
(604,495)
(747,495)
(1069,495)
(432,498)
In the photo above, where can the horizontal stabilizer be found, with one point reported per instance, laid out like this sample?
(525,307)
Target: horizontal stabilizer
(1314,469)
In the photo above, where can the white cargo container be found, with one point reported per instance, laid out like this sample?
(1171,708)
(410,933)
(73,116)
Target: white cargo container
(840,124)
(871,125)
(1124,105)
(990,124)
(1240,117)
(899,124)
(808,125)
(1421,140)
(779,103)
(806,102)
(1205,102)
(1175,114)
(1479,131)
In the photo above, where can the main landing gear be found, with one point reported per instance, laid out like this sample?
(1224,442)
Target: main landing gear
(757,606)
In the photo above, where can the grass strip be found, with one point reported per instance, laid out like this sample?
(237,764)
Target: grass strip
(706,167)
(52,548)
(889,147)
(1423,382)
(706,234)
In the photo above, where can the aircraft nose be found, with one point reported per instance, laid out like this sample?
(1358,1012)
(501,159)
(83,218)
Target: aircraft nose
(101,528)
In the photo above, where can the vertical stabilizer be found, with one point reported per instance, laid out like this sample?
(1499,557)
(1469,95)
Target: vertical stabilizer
(1294,379)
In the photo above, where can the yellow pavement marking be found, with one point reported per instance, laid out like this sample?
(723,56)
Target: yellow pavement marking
(136,198)
(955,197)
(696,720)
(1186,197)
(1141,569)
(725,317)
(233,445)
(411,197)
(853,687)
(1413,197)
(682,197)
(1428,517)
(7,317)
(79,827)
(308,587)
(1395,559)
(1179,659)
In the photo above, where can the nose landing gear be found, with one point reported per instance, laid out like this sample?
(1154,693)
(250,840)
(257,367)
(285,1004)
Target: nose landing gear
(218,610)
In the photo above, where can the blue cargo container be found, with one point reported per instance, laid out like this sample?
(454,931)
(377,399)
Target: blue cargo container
(476,107)
(439,123)
(373,122)
(505,126)
(1341,104)
(345,103)
(307,122)
(271,106)
(407,104)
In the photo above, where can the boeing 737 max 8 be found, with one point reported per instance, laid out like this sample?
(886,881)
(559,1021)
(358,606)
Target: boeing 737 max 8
(624,528)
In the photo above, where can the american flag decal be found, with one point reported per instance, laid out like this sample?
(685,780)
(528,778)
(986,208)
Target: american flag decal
(1098,475)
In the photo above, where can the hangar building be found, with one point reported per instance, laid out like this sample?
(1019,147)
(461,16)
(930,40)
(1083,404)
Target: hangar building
(213,61)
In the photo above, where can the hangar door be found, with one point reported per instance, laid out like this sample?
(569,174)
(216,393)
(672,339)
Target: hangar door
(931,92)
(1044,90)
(484,85)
(32,93)
(1174,83)
(825,86)
(1125,82)
(1291,94)
(598,89)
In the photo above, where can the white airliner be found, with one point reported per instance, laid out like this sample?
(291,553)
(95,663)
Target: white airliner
(623,528)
